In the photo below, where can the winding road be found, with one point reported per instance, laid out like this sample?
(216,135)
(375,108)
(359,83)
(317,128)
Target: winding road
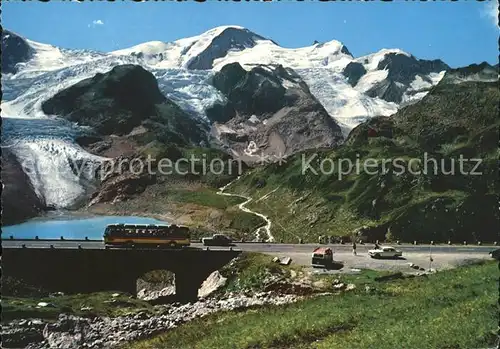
(242,207)
(426,256)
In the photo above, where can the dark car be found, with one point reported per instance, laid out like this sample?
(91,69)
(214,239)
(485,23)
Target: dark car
(495,254)
(217,240)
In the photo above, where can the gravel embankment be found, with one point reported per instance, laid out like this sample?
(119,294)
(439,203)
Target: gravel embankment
(103,332)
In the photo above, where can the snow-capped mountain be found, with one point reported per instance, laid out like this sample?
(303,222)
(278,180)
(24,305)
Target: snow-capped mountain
(15,50)
(350,89)
(270,113)
(197,52)
(24,57)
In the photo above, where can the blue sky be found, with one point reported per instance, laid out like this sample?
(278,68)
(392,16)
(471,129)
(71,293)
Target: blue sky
(459,33)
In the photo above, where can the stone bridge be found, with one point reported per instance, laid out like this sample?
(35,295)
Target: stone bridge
(91,270)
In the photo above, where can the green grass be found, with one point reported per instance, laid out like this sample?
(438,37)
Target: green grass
(454,309)
(160,194)
(451,121)
(203,197)
(244,224)
(159,277)
(207,211)
(19,307)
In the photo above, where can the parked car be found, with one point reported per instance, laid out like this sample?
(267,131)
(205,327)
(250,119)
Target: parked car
(495,254)
(385,252)
(217,240)
(322,257)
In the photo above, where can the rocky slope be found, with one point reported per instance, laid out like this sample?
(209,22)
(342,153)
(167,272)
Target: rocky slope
(19,200)
(120,100)
(15,50)
(270,113)
(404,75)
(70,331)
(252,280)
(441,202)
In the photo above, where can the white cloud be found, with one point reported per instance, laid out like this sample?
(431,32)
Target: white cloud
(491,11)
(95,23)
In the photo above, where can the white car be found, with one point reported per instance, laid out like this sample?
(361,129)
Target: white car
(385,252)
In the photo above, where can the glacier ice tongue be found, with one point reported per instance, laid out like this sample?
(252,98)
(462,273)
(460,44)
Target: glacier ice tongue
(57,169)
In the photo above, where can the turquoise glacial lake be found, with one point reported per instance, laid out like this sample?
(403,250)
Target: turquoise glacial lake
(70,227)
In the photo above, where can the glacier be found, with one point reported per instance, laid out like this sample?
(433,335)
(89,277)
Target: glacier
(45,144)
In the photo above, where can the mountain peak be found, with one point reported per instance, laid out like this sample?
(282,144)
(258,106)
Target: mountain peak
(15,49)
(483,72)
(224,27)
(217,42)
(196,52)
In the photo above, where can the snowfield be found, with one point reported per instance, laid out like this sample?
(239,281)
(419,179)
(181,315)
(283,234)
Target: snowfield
(331,54)
(347,105)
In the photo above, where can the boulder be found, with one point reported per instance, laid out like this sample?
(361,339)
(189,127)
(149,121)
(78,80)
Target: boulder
(350,287)
(67,332)
(214,282)
(339,286)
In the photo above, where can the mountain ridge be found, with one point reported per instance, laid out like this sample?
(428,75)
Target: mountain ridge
(384,79)
(379,85)
(456,119)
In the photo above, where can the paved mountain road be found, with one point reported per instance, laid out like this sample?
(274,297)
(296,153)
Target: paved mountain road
(260,247)
(444,256)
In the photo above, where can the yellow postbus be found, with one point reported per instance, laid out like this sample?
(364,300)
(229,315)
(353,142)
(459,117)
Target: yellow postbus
(132,235)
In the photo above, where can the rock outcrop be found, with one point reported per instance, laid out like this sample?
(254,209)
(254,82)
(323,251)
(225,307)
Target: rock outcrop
(402,70)
(381,126)
(270,113)
(122,99)
(19,200)
(14,50)
(120,182)
(231,38)
(353,72)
